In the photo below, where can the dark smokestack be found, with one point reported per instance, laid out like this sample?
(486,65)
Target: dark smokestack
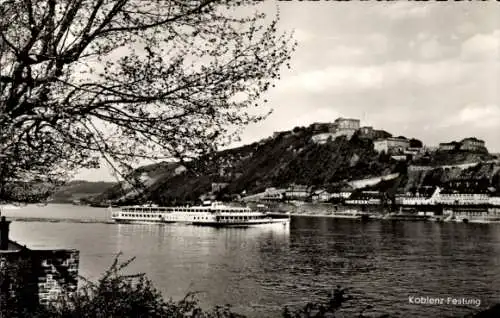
(4,234)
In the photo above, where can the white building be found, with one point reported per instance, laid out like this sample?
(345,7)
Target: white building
(346,127)
(391,145)
(472,144)
(321,195)
(273,194)
(495,201)
(463,199)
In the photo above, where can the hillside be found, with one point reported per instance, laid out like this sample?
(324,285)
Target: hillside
(484,177)
(292,158)
(286,159)
(146,178)
(79,190)
(440,158)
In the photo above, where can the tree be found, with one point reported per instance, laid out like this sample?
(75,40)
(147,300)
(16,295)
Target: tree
(415,143)
(123,80)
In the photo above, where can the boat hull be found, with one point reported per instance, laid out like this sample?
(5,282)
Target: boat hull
(211,224)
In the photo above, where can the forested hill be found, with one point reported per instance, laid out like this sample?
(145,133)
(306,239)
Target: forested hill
(292,158)
(79,190)
(285,159)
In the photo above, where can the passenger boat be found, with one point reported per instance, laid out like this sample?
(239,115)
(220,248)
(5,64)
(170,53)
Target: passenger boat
(350,214)
(213,214)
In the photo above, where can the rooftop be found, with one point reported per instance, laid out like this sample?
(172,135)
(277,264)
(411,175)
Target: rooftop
(341,118)
(13,247)
(472,139)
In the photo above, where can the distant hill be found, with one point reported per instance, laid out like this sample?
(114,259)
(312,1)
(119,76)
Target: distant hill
(146,178)
(79,190)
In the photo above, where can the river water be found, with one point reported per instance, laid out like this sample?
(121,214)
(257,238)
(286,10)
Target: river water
(258,270)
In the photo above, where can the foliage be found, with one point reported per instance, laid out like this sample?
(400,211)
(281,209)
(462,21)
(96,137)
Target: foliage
(415,143)
(83,81)
(117,294)
(79,190)
(16,298)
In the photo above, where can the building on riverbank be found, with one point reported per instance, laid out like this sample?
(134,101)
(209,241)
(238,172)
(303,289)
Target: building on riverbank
(273,194)
(365,198)
(421,197)
(494,201)
(34,277)
(321,195)
(463,199)
(298,192)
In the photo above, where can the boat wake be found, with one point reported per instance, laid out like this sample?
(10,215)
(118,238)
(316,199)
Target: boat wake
(60,220)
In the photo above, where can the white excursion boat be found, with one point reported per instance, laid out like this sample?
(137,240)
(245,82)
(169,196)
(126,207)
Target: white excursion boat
(214,214)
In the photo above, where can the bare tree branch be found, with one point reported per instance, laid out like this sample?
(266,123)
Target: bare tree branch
(125,79)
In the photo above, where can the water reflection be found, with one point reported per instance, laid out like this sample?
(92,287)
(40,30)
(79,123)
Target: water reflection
(186,258)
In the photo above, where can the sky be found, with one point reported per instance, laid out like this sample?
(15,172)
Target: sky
(428,70)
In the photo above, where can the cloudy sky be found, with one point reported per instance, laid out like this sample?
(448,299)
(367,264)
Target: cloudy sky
(424,70)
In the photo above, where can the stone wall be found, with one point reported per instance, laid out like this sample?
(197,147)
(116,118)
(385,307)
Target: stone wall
(57,273)
(33,277)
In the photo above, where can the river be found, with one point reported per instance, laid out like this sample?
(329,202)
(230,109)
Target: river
(258,270)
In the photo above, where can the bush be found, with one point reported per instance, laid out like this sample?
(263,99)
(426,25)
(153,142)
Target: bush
(118,295)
